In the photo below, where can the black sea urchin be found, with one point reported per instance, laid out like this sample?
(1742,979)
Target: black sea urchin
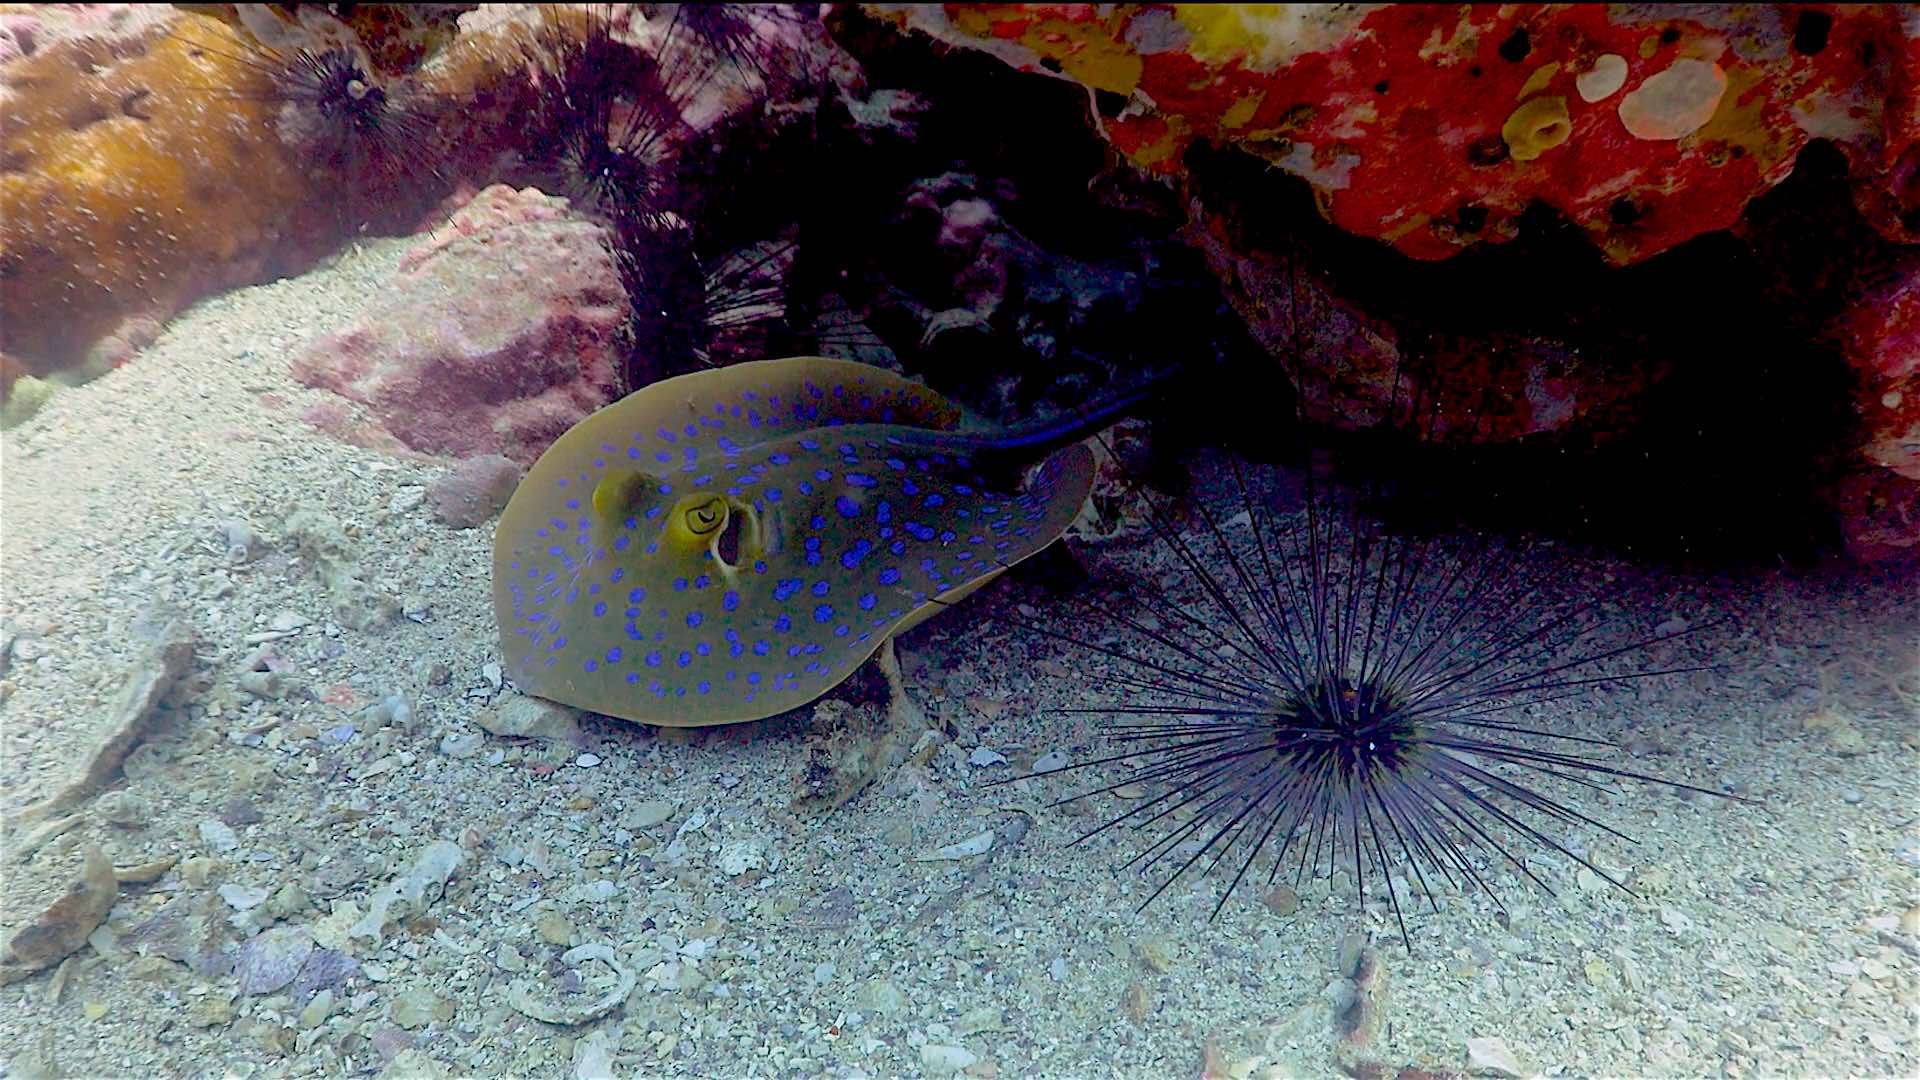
(605,116)
(331,102)
(686,312)
(1337,694)
(701,37)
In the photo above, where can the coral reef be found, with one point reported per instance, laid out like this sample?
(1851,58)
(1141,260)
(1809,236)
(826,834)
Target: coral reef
(499,335)
(1433,127)
(147,163)
(1442,130)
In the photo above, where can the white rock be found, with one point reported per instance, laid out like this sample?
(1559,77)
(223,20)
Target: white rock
(944,1060)
(740,856)
(647,814)
(218,835)
(243,897)
(1492,1056)
(587,761)
(1051,762)
(983,757)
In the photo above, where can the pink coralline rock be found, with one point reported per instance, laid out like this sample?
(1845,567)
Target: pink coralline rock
(1433,126)
(1880,333)
(483,214)
(496,339)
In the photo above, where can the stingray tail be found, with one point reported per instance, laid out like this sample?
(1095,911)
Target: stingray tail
(1024,444)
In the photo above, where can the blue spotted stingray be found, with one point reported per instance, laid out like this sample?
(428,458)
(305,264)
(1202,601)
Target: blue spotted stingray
(733,543)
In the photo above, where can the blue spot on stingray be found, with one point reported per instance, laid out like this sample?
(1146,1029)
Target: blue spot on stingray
(679,584)
(762,648)
(773,495)
(702,649)
(909,486)
(867,600)
(809,444)
(933,500)
(890,576)
(847,507)
(633,678)
(842,630)
(778,459)
(860,480)
(665,435)
(613,655)
(654,512)
(621,544)
(895,463)
(782,624)
(636,595)
(820,588)
(703,686)
(599,609)
(753,678)
(653,659)
(785,588)
(919,531)
(702,581)
(883,513)
(573,504)
(897,547)
(823,475)
(730,601)
(592,666)
(694,619)
(685,659)
(633,452)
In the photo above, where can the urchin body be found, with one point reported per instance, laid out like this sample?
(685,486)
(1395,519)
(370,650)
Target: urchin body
(1334,695)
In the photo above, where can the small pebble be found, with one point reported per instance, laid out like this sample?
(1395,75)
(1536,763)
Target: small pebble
(983,757)
(739,857)
(241,812)
(1492,1056)
(271,960)
(418,1008)
(646,815)
(242,897)
(317,1010)
(881,996)
(1052,762)
(587,761)
(471,492)
(943,1060)
(218,835)
(462,744)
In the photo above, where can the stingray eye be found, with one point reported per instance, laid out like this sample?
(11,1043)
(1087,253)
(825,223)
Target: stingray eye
(696,520)
(617,493)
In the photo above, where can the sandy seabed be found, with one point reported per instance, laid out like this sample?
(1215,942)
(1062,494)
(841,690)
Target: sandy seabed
(1766,938)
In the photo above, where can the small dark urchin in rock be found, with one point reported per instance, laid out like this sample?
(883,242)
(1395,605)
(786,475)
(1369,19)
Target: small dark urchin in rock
(331,103)
(1333,695)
